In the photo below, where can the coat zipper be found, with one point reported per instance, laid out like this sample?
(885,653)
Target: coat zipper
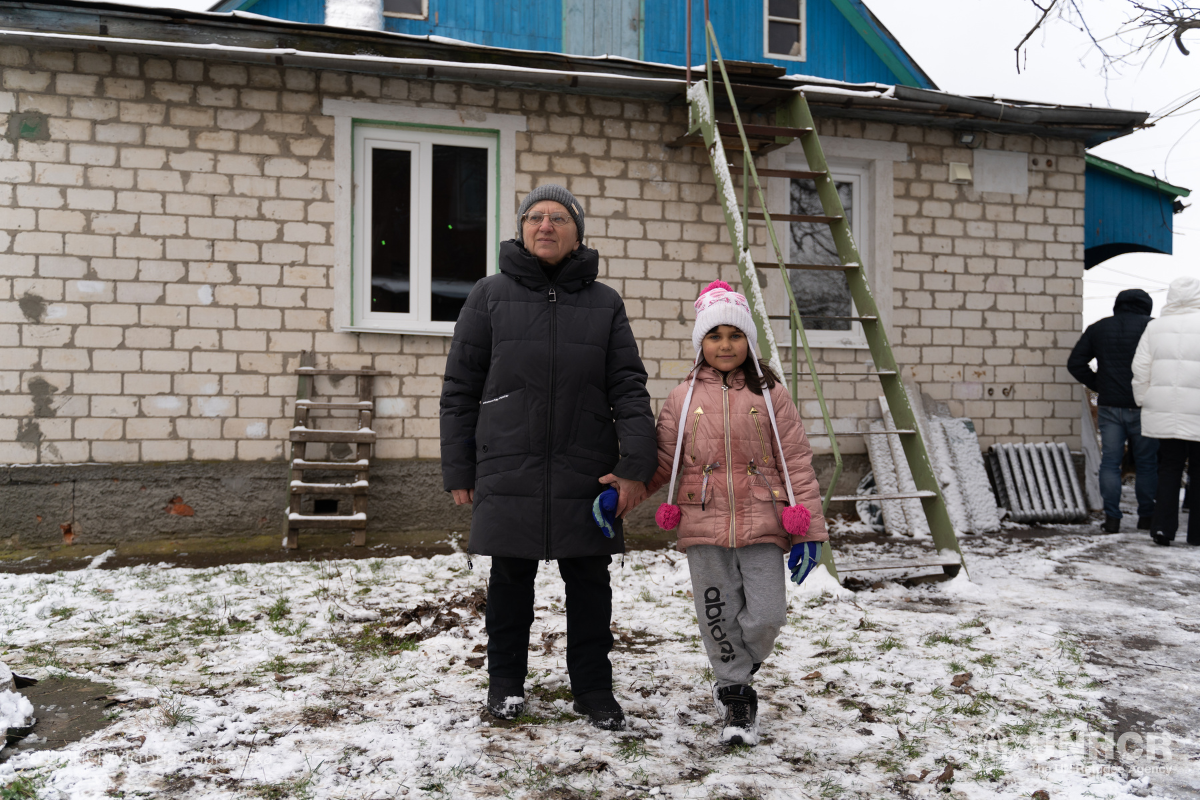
(699,412)
(761,441)
(729,466)
(549,426)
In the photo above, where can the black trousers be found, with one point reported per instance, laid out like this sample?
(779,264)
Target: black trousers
(1172,453)
(589,616)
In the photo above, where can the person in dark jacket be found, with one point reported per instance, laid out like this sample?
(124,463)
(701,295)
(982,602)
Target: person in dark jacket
(544,402)
(1112,342)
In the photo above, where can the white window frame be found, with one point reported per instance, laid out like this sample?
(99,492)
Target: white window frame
(871,164)
(355,123)
(803,20)
(369,138)
(397,15)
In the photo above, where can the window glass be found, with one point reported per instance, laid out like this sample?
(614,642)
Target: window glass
(459,241)
(391,230)
(785,8)
(409,8)
(820,292)
(784,38)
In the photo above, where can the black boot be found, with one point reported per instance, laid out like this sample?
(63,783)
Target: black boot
(1111,524)
(1144,523)
(1161,538)
(738,705)
(601,709)
(506,700)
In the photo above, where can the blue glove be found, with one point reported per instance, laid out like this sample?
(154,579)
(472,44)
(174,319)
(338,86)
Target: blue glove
(802,559)
(603,512)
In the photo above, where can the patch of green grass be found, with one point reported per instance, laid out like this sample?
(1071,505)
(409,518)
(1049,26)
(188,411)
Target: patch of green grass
(63,612)
(977,622)
(986,660)
(945,638)
(829,788)
(646,596)
(44,655)
(844,655)
(956,666)
(278,610)
(375,640)
(823,642)
(208,626)
(994,774)
(890,643)
(23,787)
(632,750)
(550,695)
(294,628)
(172,711)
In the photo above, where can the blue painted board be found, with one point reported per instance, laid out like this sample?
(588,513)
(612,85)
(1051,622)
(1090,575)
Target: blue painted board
(834,49)
(528,25)
(592,28)
(1118,211)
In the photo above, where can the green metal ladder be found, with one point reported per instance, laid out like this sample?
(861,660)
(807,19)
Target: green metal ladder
(796,122)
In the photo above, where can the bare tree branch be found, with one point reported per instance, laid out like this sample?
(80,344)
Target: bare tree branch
(1045,13)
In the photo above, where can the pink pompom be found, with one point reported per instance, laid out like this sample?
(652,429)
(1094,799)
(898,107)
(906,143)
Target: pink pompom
(796,520)
(717,285)
(668,516)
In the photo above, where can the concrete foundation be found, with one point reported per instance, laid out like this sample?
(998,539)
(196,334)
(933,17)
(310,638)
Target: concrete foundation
(87,504)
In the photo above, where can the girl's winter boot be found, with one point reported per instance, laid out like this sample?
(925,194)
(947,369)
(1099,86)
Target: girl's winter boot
(738,705)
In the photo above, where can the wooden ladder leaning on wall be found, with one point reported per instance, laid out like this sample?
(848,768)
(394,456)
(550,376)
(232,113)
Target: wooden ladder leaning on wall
(305,432)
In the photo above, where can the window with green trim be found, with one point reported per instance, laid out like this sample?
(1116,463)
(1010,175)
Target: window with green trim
(424,225)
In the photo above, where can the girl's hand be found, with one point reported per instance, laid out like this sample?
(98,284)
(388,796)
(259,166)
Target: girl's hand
(631,493)
(463,496)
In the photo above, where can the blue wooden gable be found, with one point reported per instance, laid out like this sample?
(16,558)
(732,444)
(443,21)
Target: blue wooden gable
(1126,212)
(842,39)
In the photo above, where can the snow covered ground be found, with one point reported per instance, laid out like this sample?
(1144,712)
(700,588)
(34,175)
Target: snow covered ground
(364,679)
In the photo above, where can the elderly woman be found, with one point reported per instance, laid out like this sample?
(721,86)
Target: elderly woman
(543,404)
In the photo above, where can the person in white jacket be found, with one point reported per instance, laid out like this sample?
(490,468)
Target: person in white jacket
(1166,384)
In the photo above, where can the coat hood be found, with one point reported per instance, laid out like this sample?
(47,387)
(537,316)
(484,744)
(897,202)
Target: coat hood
(578,269)
(1182,296)
(1133,301)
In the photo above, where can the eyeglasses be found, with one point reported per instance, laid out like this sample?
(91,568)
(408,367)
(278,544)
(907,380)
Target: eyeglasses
(535,218)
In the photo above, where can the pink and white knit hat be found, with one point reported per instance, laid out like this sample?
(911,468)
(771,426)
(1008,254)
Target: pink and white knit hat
(717,305)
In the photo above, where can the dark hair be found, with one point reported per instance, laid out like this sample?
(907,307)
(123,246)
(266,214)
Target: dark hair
(749,377)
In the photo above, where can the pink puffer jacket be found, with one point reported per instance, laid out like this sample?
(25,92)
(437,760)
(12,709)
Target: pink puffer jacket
(730,427)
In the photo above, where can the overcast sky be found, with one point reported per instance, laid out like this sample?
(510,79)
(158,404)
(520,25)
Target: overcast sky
(966,46)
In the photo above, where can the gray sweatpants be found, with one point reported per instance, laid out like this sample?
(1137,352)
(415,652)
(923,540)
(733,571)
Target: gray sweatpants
(741,605)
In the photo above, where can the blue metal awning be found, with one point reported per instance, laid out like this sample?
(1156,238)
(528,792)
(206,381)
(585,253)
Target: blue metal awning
(1126,212)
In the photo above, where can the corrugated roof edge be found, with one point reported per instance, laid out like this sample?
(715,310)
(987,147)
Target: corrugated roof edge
(455,60)
(1149,181)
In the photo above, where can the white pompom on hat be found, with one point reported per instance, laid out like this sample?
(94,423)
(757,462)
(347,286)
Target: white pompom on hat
(719,304)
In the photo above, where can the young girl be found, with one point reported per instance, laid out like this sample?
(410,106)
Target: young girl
(747,495)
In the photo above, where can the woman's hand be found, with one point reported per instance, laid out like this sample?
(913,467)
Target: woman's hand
(463,496)
(631,493)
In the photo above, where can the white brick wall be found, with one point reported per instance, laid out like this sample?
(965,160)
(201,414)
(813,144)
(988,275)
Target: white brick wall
(167,253)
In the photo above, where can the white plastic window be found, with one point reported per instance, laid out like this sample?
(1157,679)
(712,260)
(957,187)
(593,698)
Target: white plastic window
(424,225)
(784,29)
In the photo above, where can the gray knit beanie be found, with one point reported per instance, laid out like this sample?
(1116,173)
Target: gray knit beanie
(559,195)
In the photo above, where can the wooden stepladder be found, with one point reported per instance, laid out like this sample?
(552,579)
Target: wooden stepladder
(305,432)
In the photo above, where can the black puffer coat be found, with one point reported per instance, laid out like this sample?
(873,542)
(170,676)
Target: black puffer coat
(1112,342)
(544,393)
